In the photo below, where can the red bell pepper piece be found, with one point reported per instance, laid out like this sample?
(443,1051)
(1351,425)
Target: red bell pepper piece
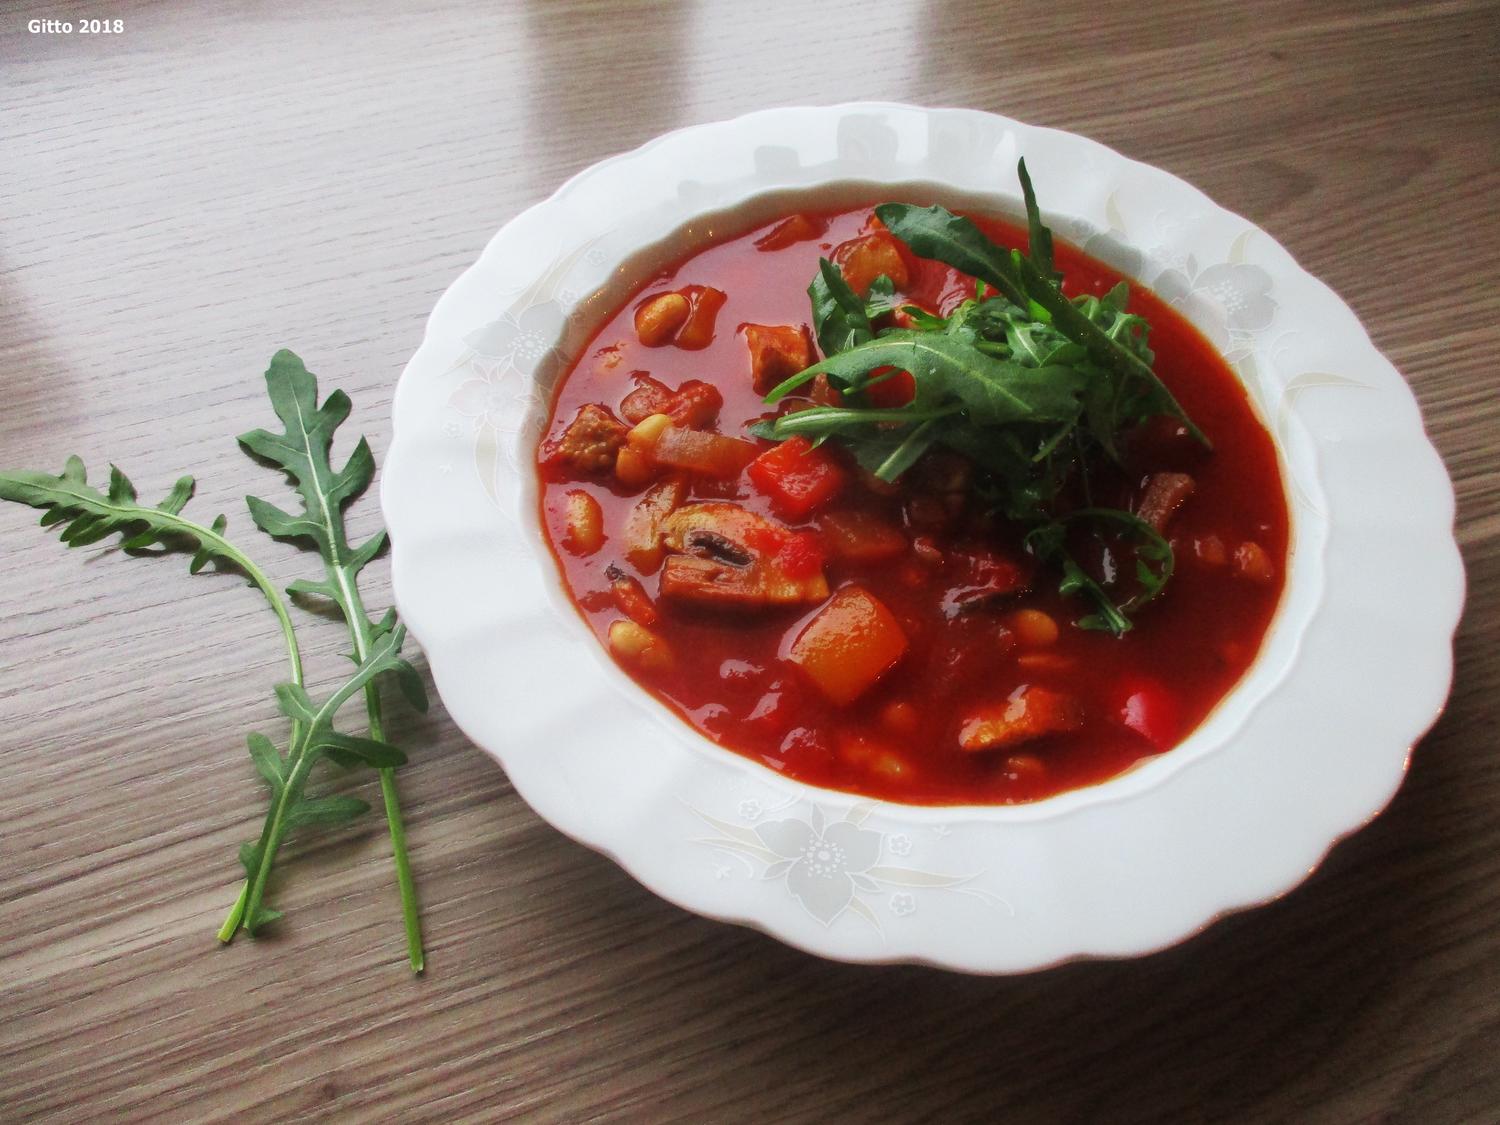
(797,477)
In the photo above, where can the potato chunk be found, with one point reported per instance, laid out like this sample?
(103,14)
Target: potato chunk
(1165,493)
(849,645)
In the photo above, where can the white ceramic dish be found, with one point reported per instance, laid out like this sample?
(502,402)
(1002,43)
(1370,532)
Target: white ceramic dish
(1309,747)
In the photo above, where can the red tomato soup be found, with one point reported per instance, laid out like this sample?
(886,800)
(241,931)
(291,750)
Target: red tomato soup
(897,641)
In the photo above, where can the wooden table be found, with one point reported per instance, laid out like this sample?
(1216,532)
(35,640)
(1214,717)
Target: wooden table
(218,181)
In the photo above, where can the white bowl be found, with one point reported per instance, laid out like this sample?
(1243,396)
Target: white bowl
(1308,747)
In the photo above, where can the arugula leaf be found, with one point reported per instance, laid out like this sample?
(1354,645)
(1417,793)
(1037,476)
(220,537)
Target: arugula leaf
(1039,236)
(881,298)
(935,232)
(840,318)
(1032,386)
(304,452)
(1048,542)
(88,516)
(994,391)
(925,320)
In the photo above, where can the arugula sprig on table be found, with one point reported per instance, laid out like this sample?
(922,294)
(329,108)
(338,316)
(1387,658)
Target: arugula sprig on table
(88,515)
(1035,387)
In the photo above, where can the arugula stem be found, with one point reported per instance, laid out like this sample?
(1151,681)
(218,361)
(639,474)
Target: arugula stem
(236,916)
(404,881)
(258,577)
(263,583)
(276,826)
(360,629)
(300,761)
(359,633)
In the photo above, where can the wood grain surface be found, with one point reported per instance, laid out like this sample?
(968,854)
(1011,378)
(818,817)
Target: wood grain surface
(224,179)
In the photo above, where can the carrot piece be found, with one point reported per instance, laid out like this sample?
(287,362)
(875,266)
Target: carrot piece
(797,477)
(895,389)
(1152,712)
(848,645)
(777,352)
(630,597)
(1028,713)
(704,303)
(825,393)
(861,537)
(801,556)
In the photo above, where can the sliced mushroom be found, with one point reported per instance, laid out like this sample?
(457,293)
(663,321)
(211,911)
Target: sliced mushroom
(722,556)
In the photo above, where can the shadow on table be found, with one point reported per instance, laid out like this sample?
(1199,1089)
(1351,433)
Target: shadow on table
(37,382)
(576,50)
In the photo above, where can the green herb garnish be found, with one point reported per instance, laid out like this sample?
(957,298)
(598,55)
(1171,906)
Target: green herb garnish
(1033,386)
(87,516)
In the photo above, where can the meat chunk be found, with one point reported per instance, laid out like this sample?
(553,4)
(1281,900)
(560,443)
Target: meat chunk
(1165,493)
(1028,713)
(590,442)
(869,256)
(693,405)
(858,536)
(1251,561)
(777,352)
(650,396)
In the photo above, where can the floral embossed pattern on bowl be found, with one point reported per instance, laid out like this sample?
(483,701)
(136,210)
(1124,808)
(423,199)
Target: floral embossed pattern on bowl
(1311,744)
